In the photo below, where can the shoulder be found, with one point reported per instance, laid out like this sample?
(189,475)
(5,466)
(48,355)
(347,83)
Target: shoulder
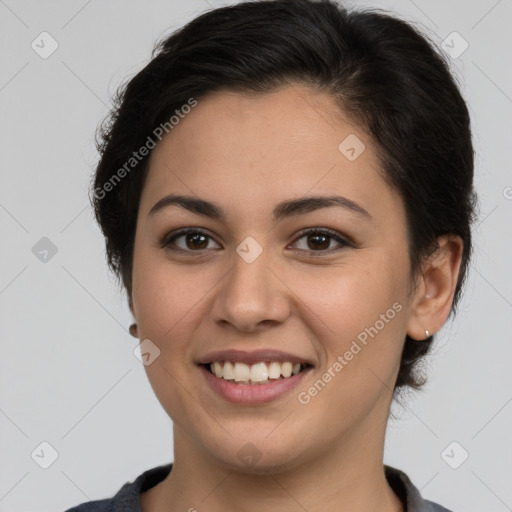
(409,494)
(127,499)
(435,507)
(93,506)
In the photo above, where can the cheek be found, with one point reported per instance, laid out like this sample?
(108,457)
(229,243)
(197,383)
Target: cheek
(168,303)
(352,298)
(365,312)
(166,297)
(362,348)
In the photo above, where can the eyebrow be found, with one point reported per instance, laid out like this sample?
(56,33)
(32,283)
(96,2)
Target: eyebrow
(283,210)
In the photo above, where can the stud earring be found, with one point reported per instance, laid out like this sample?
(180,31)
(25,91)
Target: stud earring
(133,330)
(427,335)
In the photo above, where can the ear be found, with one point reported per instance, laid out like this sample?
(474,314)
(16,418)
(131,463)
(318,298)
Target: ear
(434,294)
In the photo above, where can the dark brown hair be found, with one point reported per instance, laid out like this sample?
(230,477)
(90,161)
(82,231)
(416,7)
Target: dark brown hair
(384,74)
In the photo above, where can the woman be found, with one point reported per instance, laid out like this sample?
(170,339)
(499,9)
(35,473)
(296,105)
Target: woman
(286,193)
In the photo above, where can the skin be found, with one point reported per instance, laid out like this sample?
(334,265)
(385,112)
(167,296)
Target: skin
(248,153)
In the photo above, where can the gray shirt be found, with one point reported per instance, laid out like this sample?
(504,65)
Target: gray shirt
(127,498)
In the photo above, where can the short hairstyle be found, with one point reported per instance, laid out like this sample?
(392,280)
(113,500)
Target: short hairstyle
(386,76)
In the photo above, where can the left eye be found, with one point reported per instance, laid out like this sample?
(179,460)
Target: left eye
(318,240)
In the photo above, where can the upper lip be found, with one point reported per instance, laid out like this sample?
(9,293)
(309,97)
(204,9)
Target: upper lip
(252,357)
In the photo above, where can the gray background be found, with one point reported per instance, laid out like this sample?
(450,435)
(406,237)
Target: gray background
(68,373)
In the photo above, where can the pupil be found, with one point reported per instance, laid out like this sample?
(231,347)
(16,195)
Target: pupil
(195,238)
(325,239)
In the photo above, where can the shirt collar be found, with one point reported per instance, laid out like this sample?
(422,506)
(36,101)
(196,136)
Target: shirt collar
(128,497)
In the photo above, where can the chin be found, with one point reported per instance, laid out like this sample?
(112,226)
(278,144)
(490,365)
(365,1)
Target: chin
(256,454)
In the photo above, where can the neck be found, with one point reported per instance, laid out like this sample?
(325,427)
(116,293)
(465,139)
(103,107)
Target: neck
(349,476)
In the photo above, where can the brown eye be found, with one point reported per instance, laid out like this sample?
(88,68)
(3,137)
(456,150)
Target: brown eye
(188,240)
(318,241)
(321,241)
(197,241)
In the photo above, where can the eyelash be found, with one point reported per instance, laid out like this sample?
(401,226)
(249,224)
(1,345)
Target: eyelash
(169,240)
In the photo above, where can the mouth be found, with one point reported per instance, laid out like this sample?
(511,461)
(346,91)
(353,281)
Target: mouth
(252,378)
(263,372)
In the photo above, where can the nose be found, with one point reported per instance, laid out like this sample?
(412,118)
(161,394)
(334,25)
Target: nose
(251,297)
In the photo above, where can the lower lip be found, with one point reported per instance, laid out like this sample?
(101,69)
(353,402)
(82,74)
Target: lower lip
(252,393)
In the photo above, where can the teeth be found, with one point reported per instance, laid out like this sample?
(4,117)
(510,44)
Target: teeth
(217,369)
(286,369)
(242,372)
(256,373)
(227,371)
(259,372)
(274,370)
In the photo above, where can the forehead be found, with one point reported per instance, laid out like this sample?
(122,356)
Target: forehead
(259,148)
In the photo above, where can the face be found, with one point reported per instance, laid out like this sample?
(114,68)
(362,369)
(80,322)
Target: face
(267,274)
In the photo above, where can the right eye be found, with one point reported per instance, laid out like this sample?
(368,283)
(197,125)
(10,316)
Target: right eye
(192,240)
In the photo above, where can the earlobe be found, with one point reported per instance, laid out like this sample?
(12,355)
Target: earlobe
(133,329)
(434,296)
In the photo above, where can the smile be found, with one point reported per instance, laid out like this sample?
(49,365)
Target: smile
(258,373)
(253,377)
